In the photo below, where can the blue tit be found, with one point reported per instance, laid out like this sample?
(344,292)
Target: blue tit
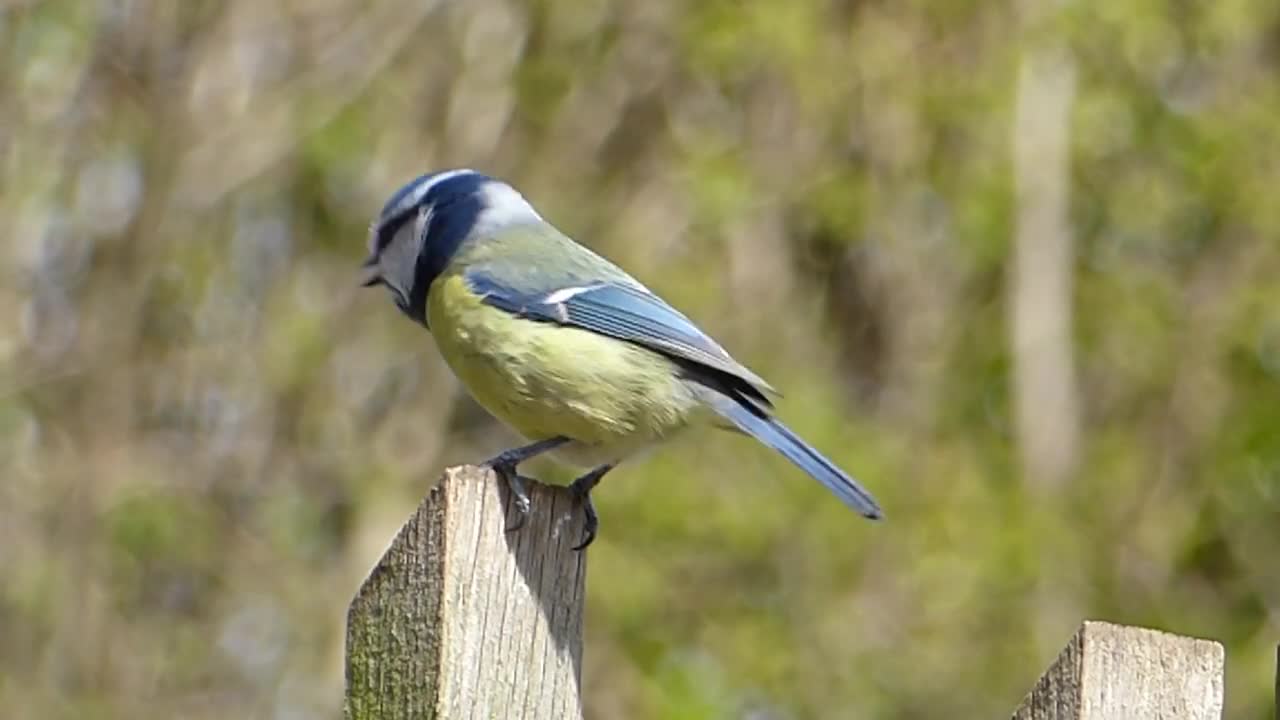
(559,343)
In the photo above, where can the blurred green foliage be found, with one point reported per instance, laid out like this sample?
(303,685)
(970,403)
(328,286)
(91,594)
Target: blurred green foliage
(208,433)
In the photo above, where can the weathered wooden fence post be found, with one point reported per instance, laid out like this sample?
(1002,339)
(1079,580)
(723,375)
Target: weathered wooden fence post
(1114,672)
(462,619)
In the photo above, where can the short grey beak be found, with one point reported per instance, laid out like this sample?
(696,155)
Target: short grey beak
(372,276)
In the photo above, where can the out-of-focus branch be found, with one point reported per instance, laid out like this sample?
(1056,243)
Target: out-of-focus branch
(218,163)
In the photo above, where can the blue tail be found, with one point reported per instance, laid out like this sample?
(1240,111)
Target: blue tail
(779,437)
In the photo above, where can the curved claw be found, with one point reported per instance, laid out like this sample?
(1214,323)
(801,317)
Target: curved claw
(581,489)
(590,525)
(519,495)
(521,517)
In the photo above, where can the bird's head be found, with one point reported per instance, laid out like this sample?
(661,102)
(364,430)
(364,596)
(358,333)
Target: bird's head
(424,224)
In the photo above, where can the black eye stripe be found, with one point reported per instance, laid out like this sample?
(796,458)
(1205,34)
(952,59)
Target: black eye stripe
(388,229)
(441,194)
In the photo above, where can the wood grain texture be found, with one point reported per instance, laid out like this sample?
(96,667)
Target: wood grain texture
(1114,672)
(460,619)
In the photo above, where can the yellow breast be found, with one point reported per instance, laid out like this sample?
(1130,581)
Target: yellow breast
(544,380)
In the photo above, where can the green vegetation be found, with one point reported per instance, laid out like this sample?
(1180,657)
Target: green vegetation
(208,432)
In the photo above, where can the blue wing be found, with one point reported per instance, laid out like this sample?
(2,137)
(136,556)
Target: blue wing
(621,311)
(632,314)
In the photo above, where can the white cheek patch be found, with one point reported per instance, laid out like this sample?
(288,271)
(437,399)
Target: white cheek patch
(565,294)
(424,219)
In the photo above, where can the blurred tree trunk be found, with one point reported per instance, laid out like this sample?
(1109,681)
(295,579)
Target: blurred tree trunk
(1046,409)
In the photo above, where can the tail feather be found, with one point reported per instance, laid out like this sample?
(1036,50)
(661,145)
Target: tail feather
(779,437)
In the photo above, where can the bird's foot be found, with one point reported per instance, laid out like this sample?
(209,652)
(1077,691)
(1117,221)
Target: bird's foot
(505,465)
(581,490)
(519,496)
(592,521)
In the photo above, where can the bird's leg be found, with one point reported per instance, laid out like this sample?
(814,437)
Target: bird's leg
(507,460)
(581,489)
(504,464)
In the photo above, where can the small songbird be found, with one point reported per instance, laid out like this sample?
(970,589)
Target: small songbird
(559,343)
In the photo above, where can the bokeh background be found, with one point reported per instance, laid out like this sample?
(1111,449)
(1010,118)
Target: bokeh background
(1016,265)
